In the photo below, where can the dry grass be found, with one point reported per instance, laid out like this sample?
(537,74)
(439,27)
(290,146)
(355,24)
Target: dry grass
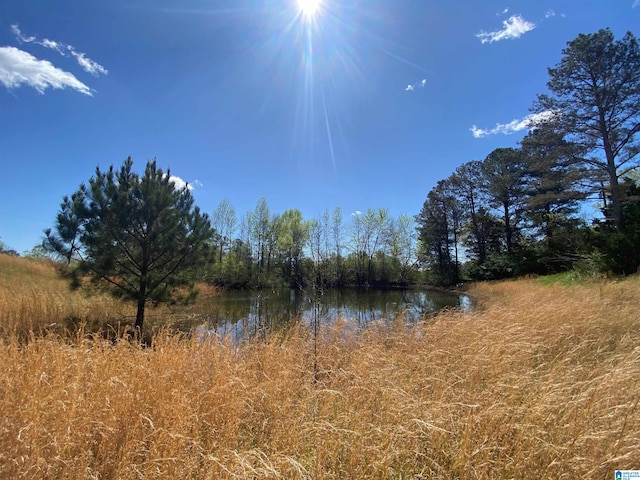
(541,382)
(33,298)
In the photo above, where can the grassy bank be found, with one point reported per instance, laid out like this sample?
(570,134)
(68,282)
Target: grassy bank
(541,382)
(35,299)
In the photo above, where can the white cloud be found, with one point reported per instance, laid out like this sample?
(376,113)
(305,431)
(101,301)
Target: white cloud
(52,45)
(478,132)
(18,67)
(551,13)
(514,126)
(411,87)
(636,4)
(356,213)
(514,27)
(88,65)
(16,31)
(180,183)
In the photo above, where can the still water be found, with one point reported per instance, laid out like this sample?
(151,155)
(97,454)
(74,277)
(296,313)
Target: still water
(243,314)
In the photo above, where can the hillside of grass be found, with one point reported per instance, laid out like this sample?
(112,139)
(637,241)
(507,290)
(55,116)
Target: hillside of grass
(542,381)
(35,298)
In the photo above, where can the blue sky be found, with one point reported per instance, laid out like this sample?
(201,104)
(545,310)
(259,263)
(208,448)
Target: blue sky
(365,104)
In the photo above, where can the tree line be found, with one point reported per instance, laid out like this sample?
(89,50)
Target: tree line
(264,249)
(520,210)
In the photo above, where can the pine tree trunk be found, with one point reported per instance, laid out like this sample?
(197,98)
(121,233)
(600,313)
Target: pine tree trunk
(612,171)
(142,297)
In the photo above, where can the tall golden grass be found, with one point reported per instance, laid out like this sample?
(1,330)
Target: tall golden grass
(34,299)
(540,382)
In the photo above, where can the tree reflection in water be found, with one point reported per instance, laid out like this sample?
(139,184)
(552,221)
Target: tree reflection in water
(249,313)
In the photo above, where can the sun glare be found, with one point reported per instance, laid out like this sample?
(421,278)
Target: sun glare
(309,8)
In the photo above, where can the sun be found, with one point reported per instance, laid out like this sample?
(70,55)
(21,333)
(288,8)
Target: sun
(309,8)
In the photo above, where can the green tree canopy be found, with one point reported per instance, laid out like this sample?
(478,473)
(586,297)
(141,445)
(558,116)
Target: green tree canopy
(595,100)
(140,235)
(504,176)
(439,224)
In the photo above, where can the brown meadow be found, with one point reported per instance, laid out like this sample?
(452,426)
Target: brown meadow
(540,382)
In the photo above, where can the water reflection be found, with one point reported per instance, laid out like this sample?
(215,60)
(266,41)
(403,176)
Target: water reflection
(246,314)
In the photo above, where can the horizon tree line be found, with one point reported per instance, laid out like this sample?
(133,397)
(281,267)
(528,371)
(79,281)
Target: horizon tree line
(269,250)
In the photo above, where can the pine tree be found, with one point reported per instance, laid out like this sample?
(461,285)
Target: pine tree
(139,235)
(595,98)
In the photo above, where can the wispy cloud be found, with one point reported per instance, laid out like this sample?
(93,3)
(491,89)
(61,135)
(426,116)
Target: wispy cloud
(514,27)
(551,13)
(412,86)
(16,31)
(18,67)
(357,213)
(88,65)
(636,4)
(514,126)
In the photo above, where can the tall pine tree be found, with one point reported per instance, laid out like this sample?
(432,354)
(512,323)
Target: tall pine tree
(139,235)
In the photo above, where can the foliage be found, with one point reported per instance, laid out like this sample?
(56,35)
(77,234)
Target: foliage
(620,247)
(496,266)
(65,241)
(285,249)
(504,174)
(224,221)
(138,235)
(595,101)
(6,250)
(439,232)
(39,251)
(516,212)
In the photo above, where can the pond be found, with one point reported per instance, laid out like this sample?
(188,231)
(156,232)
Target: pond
(243,314)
